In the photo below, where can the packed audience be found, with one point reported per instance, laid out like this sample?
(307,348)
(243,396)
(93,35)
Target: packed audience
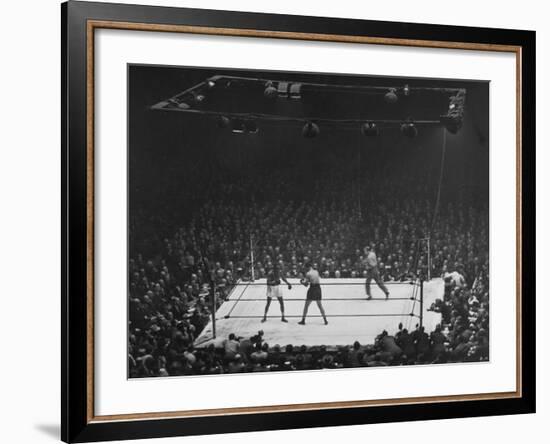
(179,261)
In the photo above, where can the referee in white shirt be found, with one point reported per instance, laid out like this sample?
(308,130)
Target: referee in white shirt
(371,263)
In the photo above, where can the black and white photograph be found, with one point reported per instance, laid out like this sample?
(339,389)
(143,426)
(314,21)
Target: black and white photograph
(283,221)
(247,221)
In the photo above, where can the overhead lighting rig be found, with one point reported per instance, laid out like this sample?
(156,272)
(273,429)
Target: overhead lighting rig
(197,100)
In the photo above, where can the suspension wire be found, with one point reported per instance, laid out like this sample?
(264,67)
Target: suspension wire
(416,255)
(354,88)
(436,207)
(312,86)
(386,123)
(442,168)
(358,189)
(252,257)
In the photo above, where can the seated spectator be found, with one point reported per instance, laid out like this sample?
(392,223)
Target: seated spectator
(231,346)
(437,342)
(406,343)
(388,348)
(422,343)
(236,364)
(355,355)
(260,355)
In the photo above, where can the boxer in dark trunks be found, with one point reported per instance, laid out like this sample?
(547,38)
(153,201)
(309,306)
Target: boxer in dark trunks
(313,280)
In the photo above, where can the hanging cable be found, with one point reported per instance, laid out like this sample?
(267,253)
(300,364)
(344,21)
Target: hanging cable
(358,184)
(442,167)
(414,265)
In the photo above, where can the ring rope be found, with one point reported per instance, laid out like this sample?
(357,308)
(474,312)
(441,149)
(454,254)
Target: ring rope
(246,285)
(325,299)
(252,284)
(360,315)
(236,302)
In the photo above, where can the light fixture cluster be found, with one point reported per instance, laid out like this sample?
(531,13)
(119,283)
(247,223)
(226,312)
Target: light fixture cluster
(368,129)
(186,102)
(283,90)
(293,90)
(392,95)
(455,115)
(409,129)
(270,92)
(311,129)
(238,125)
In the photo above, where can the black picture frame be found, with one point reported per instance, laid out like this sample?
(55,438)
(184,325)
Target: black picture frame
(76,423)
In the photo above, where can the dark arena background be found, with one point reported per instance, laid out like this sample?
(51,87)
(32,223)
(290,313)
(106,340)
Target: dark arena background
(235,175)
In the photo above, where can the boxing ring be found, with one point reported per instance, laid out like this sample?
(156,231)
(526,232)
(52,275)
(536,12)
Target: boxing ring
(351,317)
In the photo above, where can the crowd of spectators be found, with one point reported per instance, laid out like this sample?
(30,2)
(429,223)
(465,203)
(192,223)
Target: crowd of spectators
(278,217)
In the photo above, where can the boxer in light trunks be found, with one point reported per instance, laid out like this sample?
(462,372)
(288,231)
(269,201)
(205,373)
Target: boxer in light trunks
(313,280)
(371,262)
(274,278)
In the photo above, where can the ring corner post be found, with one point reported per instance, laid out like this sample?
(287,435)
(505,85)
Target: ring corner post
(214,304)
(421,302)
(429,261)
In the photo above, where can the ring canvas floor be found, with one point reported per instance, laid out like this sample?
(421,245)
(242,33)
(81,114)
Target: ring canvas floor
(351,317)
